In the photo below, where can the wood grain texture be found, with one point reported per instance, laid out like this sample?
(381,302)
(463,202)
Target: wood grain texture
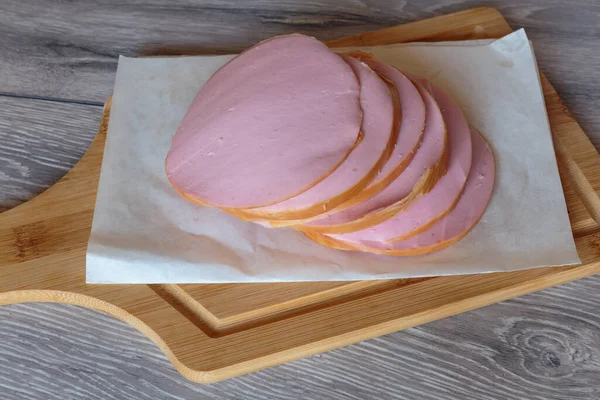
(69,49)
(565,36)
(45,240)
(542,346)
(40,141)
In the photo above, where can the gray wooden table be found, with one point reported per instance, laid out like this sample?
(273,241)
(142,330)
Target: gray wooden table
(57,66)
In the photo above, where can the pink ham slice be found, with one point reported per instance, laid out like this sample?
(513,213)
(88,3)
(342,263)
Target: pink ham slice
(436,204)
(361,166)
(410,134)
(431,154)
(270,124)
(459,222)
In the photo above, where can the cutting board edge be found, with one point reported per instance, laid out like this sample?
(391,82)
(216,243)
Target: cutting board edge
(330,343)
(291,353)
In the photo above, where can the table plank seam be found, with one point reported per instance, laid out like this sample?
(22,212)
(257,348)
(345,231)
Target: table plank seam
(53,99)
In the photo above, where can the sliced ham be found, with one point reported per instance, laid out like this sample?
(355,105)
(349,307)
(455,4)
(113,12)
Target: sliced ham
(437,203)
(456,225)
(410,133)
(361,166)
(349,150)
(424,171)
(270,124)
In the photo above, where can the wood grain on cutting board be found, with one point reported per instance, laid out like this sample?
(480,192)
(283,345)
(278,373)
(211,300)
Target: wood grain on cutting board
(42,246)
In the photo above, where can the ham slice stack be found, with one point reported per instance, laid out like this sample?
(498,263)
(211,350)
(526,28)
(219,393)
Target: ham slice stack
(351,151)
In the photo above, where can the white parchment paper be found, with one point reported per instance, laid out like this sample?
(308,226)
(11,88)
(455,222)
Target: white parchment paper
(144,232)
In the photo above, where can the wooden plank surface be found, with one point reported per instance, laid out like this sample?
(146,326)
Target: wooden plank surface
(39,143)
(542,346)
(69,50)
(346,377)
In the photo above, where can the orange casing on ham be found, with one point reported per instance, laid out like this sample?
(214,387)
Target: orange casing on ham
(450,229)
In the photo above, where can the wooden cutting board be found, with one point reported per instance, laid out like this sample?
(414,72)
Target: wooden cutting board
(213,332)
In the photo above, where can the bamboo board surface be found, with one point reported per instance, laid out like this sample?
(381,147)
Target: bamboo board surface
(212,332)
